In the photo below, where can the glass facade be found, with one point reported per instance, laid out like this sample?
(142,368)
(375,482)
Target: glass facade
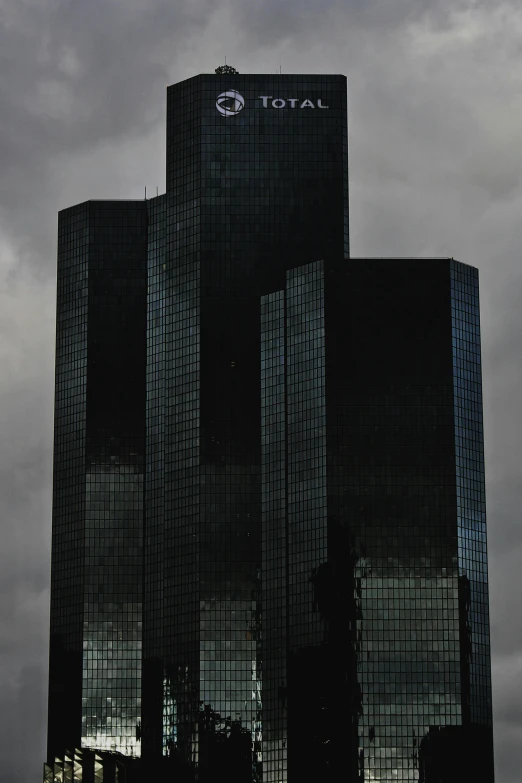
(274,536)
(392,492)
(471,498)
(99,463)
(248,196)
(269,542)
(68,554)
(384,650)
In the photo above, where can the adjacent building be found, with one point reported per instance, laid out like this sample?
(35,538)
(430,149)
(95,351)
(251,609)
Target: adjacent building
(269,537)
(376,660)
(99,471)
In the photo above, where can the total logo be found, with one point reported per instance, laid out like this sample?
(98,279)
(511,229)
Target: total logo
(280,103)
(230,103)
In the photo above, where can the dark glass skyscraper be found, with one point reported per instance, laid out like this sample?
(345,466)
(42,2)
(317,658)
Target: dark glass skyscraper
(269,547)
(374,536)
(249,195)
(99,468)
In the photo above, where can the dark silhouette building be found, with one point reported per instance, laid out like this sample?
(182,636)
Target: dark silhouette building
(269,542)
(99,469)
(375,599)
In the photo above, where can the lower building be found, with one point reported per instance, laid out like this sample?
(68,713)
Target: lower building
(376,660)
(99,472)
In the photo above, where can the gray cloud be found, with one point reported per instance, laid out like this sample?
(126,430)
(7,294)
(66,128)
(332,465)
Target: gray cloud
(80,75)
(435,168)
(272,21)
(23,731)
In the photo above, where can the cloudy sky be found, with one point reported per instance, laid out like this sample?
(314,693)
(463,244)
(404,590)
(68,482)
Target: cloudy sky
(435,108)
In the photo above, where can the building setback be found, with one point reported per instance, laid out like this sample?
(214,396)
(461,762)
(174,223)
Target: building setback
(269,544)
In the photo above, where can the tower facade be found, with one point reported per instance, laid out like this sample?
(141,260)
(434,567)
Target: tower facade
(269,553)
(99,472)
(376,630)
(256,184)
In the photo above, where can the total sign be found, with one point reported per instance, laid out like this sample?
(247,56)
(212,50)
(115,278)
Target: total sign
(230,103)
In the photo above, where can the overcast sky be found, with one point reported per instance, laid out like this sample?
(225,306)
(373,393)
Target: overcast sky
(435,124)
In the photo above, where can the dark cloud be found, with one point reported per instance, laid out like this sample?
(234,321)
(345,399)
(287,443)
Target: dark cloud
(435,167)
(78,75)
(272,21)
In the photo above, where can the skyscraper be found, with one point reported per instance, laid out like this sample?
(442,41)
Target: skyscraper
(269,553)
(253,188)
(375,597)
(99,468)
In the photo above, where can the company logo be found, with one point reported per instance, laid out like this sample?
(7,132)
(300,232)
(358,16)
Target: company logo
(230,103)
(280,103)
